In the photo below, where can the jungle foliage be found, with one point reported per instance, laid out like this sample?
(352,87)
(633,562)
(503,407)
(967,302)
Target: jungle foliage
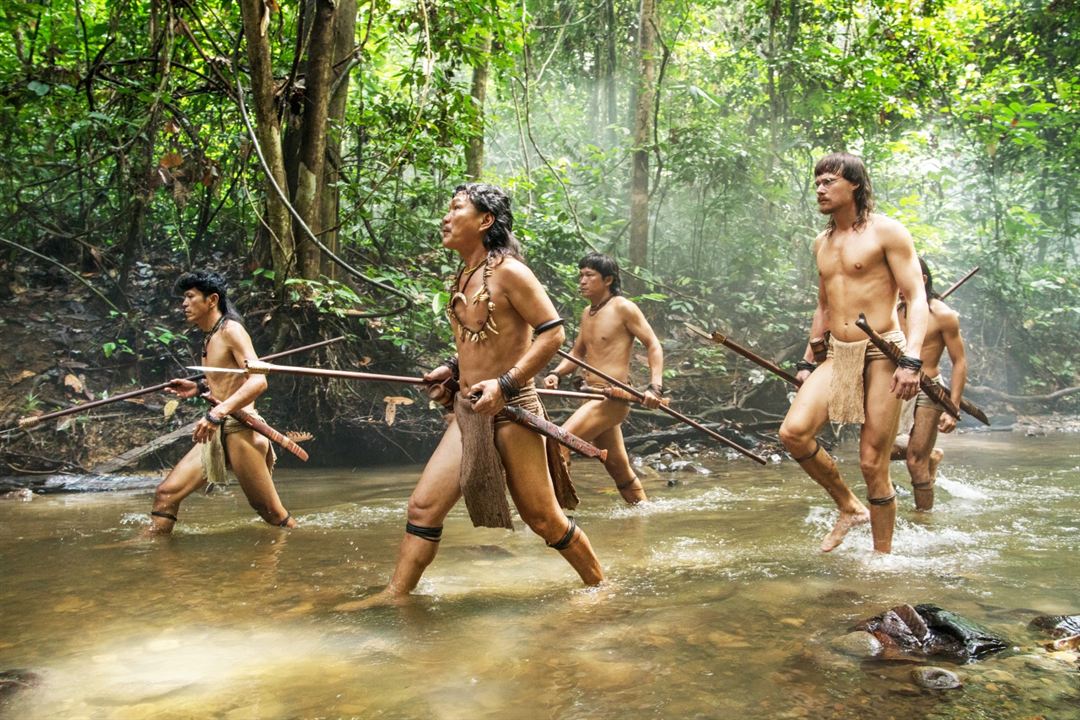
(122,140)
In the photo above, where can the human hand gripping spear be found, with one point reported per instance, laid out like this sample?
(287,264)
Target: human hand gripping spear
(31,421)
(936,392)
(515,414)
(673,413)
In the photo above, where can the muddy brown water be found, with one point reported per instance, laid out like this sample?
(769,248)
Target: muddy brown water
(718,603)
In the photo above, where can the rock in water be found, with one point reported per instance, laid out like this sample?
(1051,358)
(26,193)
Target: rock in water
(12,681)
(935,678)
(926,630)
(1057,625)
(858,644)
(953,635)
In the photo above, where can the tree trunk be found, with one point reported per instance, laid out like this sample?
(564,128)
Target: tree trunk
(268,133)
(639,180)
(474,151)
(312,160)
(330,196)
(609,73)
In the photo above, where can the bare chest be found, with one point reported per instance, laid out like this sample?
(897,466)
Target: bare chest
(852,256)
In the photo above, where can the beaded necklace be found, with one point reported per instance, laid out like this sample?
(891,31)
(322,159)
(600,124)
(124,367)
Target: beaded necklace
(466,333)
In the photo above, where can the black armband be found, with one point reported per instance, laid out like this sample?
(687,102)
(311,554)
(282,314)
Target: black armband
(213,419)
(545,326)
(909,362)
(201,386)
(657,390)
(805,365)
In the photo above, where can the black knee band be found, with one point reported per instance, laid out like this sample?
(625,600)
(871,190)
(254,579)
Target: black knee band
(804,458)
(285,522)
(163,514)
(923,485)
(881,501)
(431,534)
(567,538)
(626,485)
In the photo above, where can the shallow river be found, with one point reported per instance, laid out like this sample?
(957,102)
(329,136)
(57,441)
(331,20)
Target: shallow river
(718,606)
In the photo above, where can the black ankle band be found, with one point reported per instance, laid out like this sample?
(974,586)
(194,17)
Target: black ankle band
(626,484)
(163,514)
(881,501)
(431,534)
(567,538)
(804,458)
(285,522)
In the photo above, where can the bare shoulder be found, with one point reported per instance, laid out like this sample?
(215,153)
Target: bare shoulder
(513,268)
(946,316)
(624,305)
(235,332)
(890,230)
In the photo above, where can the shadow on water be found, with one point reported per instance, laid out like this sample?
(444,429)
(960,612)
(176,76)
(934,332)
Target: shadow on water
(717,604)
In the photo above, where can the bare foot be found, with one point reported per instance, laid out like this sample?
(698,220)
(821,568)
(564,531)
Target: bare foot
(633,493)
(844,523)
(386,598)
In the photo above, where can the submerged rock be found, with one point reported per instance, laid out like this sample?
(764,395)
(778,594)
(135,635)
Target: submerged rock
(12,681)
(935,678)
(927,630)
(858,644)
(1057,625)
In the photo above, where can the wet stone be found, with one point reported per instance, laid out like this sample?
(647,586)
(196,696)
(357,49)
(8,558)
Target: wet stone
(935,678)
(857,644)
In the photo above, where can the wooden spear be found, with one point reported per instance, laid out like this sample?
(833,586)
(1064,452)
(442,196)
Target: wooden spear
(959,282)
(262,428)
(518,415)
(673,413)
(28,422)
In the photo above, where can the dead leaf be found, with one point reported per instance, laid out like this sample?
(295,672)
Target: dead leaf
(171,160)
(73,382)
(64,424)
(170,408)
(364,361)
(392,401)
(171,127)
(23,376)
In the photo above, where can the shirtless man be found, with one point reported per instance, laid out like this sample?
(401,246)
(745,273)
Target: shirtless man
(219,439)
(608,329)
(863,259)
(506,329)
(942,332)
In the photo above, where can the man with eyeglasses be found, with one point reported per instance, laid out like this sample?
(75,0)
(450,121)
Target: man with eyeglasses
(864,259)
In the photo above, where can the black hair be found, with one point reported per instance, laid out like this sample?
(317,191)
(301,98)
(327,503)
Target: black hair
(499,239)
(851,168)
(929,284)
(606,266)
(208,283)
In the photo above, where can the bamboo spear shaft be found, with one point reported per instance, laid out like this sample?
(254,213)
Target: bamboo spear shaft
(673,413)
(28,422)
(263,368)
(516,414)
(959,282)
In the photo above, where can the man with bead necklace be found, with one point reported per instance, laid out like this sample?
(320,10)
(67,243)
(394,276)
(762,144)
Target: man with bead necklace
(220,440)
(505,330)
(609,327)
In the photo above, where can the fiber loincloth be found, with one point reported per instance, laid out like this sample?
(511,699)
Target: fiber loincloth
(483,476)
(847,395)
(215,458)
(924,400)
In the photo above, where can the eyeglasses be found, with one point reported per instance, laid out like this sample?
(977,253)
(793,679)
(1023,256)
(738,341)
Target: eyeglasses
(825,181)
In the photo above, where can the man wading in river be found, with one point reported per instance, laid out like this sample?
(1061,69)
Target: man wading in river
(608,328)
(506,330)
(862,259)
(942,331)
(220,440)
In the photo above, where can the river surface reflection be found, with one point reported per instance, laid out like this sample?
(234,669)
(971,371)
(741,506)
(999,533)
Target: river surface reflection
(719,604)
